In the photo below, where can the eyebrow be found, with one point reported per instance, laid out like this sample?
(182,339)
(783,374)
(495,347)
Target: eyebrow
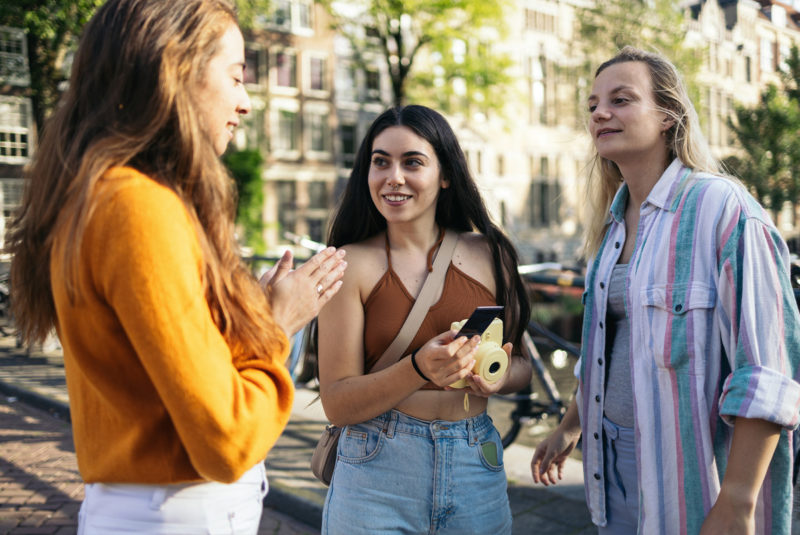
(405,154)
(613,91)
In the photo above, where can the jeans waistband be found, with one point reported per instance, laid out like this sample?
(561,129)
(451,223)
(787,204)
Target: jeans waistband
(617,432)
(471,429)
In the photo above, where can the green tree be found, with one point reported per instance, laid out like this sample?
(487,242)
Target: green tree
(654,25)
(768,136)
(53,27)
(245,167)
(249,11)
(456,34)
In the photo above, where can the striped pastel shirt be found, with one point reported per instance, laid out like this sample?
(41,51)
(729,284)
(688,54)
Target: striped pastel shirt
(714,334)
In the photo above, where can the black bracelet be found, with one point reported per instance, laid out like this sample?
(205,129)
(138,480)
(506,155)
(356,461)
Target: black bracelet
(414,363)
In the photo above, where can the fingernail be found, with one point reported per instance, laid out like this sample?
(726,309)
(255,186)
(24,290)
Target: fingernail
(330,249)
(341,252)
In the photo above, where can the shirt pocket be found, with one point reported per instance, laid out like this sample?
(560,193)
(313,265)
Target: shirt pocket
(676,324)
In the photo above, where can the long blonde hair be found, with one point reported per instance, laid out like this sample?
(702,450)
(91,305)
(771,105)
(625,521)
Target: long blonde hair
(684,140)
(130,102)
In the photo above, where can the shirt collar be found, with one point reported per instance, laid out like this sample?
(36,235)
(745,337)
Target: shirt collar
(663,194)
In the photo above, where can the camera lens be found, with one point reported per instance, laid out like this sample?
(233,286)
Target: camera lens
(494,367)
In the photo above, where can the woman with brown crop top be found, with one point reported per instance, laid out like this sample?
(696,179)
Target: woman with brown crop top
(413,456)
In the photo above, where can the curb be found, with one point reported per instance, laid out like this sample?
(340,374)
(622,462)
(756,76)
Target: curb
(54,408)
(278,498)
(288,503)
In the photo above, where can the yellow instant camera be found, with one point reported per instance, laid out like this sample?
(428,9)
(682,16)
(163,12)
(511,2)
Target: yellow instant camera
(491,360)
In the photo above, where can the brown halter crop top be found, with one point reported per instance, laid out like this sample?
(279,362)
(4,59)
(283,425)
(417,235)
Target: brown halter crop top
(389,303)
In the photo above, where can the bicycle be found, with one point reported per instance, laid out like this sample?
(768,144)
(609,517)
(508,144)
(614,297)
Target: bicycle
(527,406)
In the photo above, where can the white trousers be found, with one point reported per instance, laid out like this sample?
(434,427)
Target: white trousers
(193,508)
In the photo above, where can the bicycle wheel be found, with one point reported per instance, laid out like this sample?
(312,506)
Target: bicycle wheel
(505,414)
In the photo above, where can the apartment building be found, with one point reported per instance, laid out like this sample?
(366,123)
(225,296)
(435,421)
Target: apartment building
(312,103)
(745,44)
(289,76)
(17,128)
(532,169)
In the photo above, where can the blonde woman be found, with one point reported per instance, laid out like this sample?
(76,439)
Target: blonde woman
(173,352)
(688,385)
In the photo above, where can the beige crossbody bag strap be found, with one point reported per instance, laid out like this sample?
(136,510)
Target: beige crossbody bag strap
(430,290)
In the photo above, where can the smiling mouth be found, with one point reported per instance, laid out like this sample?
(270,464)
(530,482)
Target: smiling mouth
(601,133)
(396,197)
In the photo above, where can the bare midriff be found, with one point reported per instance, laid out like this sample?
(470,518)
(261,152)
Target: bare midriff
(441,405)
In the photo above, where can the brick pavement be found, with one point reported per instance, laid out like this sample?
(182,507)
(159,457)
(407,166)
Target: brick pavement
(40,487)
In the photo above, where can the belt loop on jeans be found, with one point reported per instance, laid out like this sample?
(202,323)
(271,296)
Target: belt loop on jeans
(611,429)
(471,434)
(390,423)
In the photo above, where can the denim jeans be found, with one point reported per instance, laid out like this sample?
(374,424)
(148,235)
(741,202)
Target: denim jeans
(399,474)
(175,509)
(622,480)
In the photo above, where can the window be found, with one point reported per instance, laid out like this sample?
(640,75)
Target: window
(286,69)
(316,230)
(316,68)
(13,57)
(767,56)
(286,191)
(536,20)
(288,130)
(544,199)
(317,124)
(347,135)
(345,81)
(317,195)
(373,83)
(15,130)
(537,111)
(11,191)
(303,12)
(252,124)
(252,63)
(748,69)
(544,195)
(292,16)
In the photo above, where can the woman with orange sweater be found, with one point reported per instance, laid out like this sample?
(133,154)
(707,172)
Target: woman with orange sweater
(124,244)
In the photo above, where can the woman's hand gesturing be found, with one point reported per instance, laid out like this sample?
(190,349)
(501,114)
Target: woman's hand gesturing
(297,295)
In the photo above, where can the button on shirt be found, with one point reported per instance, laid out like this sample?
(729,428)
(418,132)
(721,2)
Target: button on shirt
(714,334)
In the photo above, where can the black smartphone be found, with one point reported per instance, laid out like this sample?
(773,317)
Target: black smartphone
(479,321)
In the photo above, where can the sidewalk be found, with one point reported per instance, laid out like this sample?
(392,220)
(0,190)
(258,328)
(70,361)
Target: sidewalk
(41,490)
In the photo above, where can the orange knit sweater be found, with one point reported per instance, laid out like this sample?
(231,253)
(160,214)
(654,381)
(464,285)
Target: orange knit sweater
(155,395)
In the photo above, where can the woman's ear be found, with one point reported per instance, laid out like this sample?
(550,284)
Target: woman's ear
(444,183)
(666,123)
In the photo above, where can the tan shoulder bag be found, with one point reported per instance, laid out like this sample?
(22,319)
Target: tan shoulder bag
(323,460)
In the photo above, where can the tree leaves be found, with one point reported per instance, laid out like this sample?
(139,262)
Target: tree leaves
(769,134)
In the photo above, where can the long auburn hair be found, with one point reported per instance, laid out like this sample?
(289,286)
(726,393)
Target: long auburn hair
(130,102)
(684,140)
(459,207)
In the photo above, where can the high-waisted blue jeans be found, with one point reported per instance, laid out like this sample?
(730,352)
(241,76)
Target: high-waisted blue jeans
(622,480)
(399,474)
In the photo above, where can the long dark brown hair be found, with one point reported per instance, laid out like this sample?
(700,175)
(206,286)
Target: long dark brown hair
(459,207)
(130,102)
